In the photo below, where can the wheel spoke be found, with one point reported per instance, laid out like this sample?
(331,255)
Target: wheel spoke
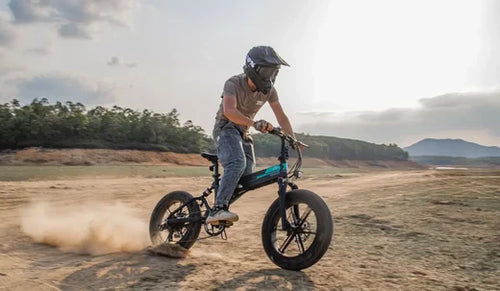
(296,214)
(300,243)
(307,232)
(286,243)
(300,235)
(304,217)
(173,211)
(298,221)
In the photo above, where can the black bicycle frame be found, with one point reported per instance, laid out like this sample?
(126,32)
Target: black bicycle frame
(277,173)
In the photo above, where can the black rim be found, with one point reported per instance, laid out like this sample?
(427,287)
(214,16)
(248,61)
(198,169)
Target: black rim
(301,235)
(169,234)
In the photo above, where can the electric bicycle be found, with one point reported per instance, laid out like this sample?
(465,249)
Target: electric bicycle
(297,228)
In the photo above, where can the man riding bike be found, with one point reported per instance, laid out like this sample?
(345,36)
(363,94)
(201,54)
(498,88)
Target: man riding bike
(242,98)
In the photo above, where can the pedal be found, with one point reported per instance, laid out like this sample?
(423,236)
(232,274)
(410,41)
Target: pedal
(222,223)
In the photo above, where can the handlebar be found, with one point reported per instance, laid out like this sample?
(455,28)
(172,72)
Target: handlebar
(291,140)
(296,170)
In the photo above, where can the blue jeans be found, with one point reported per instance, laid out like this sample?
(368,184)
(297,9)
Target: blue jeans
(237,158)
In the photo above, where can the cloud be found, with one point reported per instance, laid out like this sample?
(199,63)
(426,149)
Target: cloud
(25,11)
(74,18)
(72,30)
(446,115)
(488,61)
(117,62)
(7,69)
(8,34)
(316,113)
(40,50)
(57,87)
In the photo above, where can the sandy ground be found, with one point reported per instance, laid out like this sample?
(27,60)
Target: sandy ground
(394,230)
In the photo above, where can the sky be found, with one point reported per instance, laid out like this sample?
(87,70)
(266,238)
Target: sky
(386,71)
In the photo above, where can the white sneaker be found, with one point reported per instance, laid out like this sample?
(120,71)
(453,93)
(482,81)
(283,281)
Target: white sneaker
(221,215)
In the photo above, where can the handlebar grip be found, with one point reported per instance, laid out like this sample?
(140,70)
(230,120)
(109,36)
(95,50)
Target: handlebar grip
(302,144)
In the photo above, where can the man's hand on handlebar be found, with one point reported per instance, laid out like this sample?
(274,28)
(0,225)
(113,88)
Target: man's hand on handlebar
(263,126)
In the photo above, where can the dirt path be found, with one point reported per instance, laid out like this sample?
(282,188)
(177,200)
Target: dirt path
(409,230)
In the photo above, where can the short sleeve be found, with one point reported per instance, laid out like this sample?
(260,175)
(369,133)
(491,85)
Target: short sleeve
(273,96)
(229,88)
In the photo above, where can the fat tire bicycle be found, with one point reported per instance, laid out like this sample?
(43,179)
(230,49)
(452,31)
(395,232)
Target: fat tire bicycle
(297,228)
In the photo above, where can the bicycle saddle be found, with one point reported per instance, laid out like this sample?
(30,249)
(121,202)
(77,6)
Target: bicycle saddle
(211,157)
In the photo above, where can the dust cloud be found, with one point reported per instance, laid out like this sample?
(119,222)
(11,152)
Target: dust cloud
(88,228)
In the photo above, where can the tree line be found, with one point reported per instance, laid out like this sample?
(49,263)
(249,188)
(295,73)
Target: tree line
(71,125)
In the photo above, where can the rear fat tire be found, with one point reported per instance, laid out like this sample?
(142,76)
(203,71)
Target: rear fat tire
(159,214)
(322,239)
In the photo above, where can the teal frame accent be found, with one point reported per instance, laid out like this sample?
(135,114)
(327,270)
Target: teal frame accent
(273,169)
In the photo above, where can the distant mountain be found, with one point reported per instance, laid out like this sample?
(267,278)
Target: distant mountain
(451,148)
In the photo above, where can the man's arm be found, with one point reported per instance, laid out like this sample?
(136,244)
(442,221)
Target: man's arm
(281,117)
(232,113)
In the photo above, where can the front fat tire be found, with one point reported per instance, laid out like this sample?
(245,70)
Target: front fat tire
(322,239)
(159,214)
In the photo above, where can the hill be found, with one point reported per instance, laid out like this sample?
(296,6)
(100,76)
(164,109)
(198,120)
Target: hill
(332,148)
(451,148)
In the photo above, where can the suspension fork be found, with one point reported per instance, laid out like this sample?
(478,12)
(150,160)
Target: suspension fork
(282,182)
(296,216)
(285,225)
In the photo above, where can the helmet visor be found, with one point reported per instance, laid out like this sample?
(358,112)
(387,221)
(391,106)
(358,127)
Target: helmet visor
(267,73)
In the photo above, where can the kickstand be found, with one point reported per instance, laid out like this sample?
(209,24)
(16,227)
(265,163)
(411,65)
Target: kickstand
(223,234)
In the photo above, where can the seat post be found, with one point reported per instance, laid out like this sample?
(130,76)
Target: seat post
(214,168)
(216,177)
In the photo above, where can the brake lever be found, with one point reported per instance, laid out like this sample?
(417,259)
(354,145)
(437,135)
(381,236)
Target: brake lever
(302,144)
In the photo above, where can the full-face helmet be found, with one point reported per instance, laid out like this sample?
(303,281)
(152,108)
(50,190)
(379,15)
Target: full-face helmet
(262,65)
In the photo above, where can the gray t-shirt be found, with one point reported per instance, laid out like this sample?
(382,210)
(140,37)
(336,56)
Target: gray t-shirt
(247,102)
